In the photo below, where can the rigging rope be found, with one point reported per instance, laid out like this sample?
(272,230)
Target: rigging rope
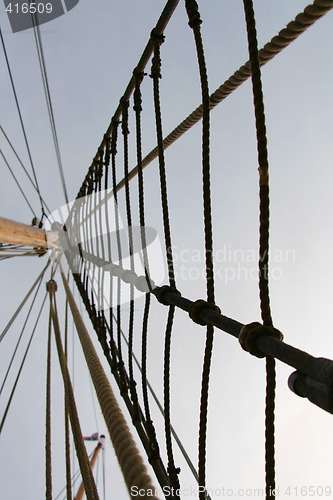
(11,321)
(200,311)
(20,337)
(87,477)
(23,167)
(67,440)
(48,464)
(21,122)
(17,182)
(285,37)
(42,66)
(131,463)
(21,367)
(173,472)
(263,243)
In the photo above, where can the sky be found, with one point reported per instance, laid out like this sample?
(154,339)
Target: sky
(90,53)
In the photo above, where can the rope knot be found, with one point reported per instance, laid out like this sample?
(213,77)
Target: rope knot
(113,138)
(161,291)
(156,38)
(154,451)
(138,77)
(193,13)
(124,111)
(156,62)
(51,286)
(250,333)
(197,307)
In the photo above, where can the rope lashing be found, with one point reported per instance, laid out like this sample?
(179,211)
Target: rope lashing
(193,14)
(157,41)
(162,290)
(197,307)
(250,333)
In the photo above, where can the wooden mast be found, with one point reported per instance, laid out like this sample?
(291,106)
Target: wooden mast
(17,233)
(80,491)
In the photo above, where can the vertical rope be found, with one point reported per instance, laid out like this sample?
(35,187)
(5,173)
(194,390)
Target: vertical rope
(117,223)
(263,242)
(132,383)
(48,465)
(194,23)
(156,75)
(131,463)
(67,440)
(87,477)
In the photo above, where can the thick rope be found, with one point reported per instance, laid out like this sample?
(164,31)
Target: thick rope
(48,463)
(130,461)
(87,477)
(263,243)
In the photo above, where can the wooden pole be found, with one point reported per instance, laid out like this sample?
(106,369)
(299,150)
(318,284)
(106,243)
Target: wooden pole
(80,491)
(21,234)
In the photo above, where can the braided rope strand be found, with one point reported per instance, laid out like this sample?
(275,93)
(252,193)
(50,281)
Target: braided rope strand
(263,242)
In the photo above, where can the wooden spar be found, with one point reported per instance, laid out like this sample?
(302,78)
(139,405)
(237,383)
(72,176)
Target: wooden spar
(21,234)
(80,491)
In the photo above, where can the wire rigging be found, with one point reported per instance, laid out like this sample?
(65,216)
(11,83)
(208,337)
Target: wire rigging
(11,321)
(23,167)
(20,337)
(18,184)
(21,367)
(22,125)
(42,66)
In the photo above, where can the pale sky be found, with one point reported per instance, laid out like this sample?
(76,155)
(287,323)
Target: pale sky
(90,54)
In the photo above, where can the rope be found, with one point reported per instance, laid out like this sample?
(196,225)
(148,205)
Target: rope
(130,461)
(17,183)
(87,477)
(156,75)
(263,243)
(21,122)
(294,29)
(21,367)
(42,66)
(48,465)
(23,167)
(67,439)
(20,337)
(194,23)
(11,321)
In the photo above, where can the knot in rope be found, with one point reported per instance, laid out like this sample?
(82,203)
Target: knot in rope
(106,161)
(157,40)
(173,473)
(193,13)
(154,451)
(197,307)
(124,111)
(51,286)
(114,136)
(161,291)
(250,333)
(138,77)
